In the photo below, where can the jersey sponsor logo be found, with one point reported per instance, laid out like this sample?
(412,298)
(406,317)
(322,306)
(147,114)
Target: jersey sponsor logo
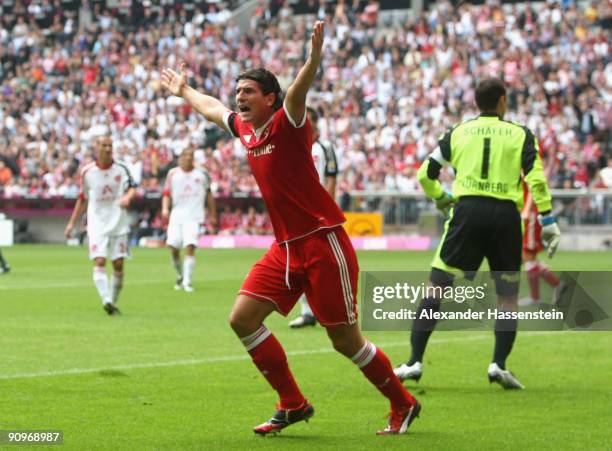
(106,195)
(259,151)
(491,187)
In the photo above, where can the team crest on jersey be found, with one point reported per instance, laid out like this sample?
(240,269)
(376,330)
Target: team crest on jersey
(117,178)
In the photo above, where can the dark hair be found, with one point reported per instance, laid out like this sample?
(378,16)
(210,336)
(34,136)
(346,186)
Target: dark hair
(488,93)
(267,82)
(314,114)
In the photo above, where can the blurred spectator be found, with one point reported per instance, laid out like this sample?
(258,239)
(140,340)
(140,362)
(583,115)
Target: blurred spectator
(385,93)
(6,176)
(606,175)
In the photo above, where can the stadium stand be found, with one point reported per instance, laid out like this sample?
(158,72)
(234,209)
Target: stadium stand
(385,93)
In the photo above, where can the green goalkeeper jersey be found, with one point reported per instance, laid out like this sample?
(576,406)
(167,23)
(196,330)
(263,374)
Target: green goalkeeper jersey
(490,157)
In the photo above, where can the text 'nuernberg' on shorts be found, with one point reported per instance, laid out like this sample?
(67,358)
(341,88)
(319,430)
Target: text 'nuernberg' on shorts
(322,265)
(481,227)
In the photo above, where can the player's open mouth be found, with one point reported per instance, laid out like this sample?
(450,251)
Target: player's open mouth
(243,108)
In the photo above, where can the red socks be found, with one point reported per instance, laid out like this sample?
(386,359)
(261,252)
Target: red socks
(375,365)
(270,359)
(550,277)
(535,270)
(533,277)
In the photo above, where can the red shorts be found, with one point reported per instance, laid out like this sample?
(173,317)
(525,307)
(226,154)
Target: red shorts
(322,265)
(532,236)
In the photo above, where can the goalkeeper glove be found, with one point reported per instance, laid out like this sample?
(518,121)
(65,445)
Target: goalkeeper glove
(551,235)
(445,202)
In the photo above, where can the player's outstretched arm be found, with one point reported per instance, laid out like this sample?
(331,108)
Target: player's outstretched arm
(295,100)
(176,82)
(79,209)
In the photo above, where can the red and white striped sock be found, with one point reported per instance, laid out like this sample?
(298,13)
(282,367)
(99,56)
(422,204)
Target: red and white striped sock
(376,367)
(271,361)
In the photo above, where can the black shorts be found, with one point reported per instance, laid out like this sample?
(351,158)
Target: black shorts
(483,227)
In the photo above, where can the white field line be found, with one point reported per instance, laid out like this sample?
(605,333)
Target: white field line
(87,283)
(235,358)
(84,284)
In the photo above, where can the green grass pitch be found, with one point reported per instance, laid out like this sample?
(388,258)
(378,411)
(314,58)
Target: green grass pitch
(170,374)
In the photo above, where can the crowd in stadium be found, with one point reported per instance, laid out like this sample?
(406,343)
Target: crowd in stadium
(386,93)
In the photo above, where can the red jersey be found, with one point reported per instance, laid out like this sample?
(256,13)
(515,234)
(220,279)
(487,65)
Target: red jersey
(280,158)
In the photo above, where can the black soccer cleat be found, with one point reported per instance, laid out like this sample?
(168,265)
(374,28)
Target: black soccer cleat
(111,309)
(285,417)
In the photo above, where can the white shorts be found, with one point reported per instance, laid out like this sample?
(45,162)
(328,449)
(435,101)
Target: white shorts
(103,245)
(183,235)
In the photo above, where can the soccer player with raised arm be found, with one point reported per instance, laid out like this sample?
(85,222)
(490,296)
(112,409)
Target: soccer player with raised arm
(312,253)
(490,157)
(107,189)
(187,190)
(326,164)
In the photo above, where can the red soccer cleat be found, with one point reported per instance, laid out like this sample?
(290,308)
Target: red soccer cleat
(285,417)
(400,420)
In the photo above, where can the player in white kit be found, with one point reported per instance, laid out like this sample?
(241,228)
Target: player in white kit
(187,189)
(325,162)
(107,189)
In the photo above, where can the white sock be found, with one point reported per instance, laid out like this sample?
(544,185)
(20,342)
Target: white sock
(116,285)
(101,283)
(306,311)
(188,265)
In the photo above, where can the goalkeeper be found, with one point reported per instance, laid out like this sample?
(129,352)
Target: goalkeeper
(490,157)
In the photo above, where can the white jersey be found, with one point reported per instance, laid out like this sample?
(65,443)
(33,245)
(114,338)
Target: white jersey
(103,188)
(324,159)
(187,190)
